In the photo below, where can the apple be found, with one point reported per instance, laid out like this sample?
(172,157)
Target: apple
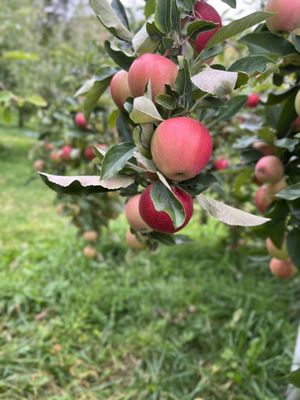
(89,252)
(288,15)
(280,254)
(80,120)
(160,221)
(204,11)
(90,236)
(133,215)
(253,100)
(282,269)
(89,153)
(181,147)
(155,68)
(49,146)
(133,242)
(66,153)
(55,156)
(265,148)
(39,165)
(119,88)
(221,163)
(296,125)
(269,169)
(274,188)
(262,199)
(297,103)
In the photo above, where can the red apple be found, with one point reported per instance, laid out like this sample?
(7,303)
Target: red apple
(265,148)
(133,215)
(253,100)
(66,153)
(133,242)
(80,120)
(280,254)
(262,199)
(39,165)
(221,163)
(89,153)
(181,147)
(55,156)
(48,146)
(90,236)
(282,269)
(288,15)
(155,68)
(160,221)
(119,88)
(206,12)
(269,169)
(296,125)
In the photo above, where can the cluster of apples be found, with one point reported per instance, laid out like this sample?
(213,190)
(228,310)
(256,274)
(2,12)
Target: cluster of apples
(280,265)
(89,250)
(180,146)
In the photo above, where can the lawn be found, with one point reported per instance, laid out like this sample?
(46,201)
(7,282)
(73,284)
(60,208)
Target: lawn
(196,321)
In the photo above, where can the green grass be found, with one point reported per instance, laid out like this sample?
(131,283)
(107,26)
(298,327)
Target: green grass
(196,321)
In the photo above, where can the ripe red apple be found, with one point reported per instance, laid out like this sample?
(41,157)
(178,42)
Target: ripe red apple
(39,165)
(55,156)
(89,252)
(206,12)
(221,163)
(280,254)
(274,188)
(269,169)
(119,88)
(48,146)
(282,269)
(90,236)
(160,221)
(66,153)
(253,100)
(297,102)
(89,153)
(80,120)
(133,214)
(262,199)
(181,147)
(265,148)
(155,68)
(133,242)
(288,15)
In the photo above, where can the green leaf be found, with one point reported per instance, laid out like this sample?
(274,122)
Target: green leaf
(36,100)
(20,55)
(149,8)
(290,193)
(294,378)
(184,85)
(142,42)
(287,116)
(121,12)
(186,5)
(289,144)
(238,26)
(76,185)
(267,42)
(276,227)
(144,111)
(231,107)
(165,200)
(195,27)
(121,58)
(293,240)
(163,238)
(231,3)
(111,19)
(167,16)
(216,82)
(199,183)
(166,101)
(251,64)
(6,96)
(115,159)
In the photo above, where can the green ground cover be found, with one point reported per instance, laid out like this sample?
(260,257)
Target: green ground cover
(196,321)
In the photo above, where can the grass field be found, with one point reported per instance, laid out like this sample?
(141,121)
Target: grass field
(196,321)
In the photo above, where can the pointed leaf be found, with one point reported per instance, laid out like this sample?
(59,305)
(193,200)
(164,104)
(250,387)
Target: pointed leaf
(290,193)
(115,159)
(167,16)
(144,111)
(216,82)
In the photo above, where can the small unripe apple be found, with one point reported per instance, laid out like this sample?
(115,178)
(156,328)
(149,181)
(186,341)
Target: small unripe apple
(269,169)
(253,100)
(288,15)
(282,269)
(90,236)
(265,148)
(160,221)
(206,12)
(66,153)
(133,214)
(80,120)
(155,68)
(262,199)
(55,156)
(221,163)
(119,88)
(39,165)
(181,147)
(280,254)
(133,242)
(89,153)
(89,252)
(297,103)
(274,188)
